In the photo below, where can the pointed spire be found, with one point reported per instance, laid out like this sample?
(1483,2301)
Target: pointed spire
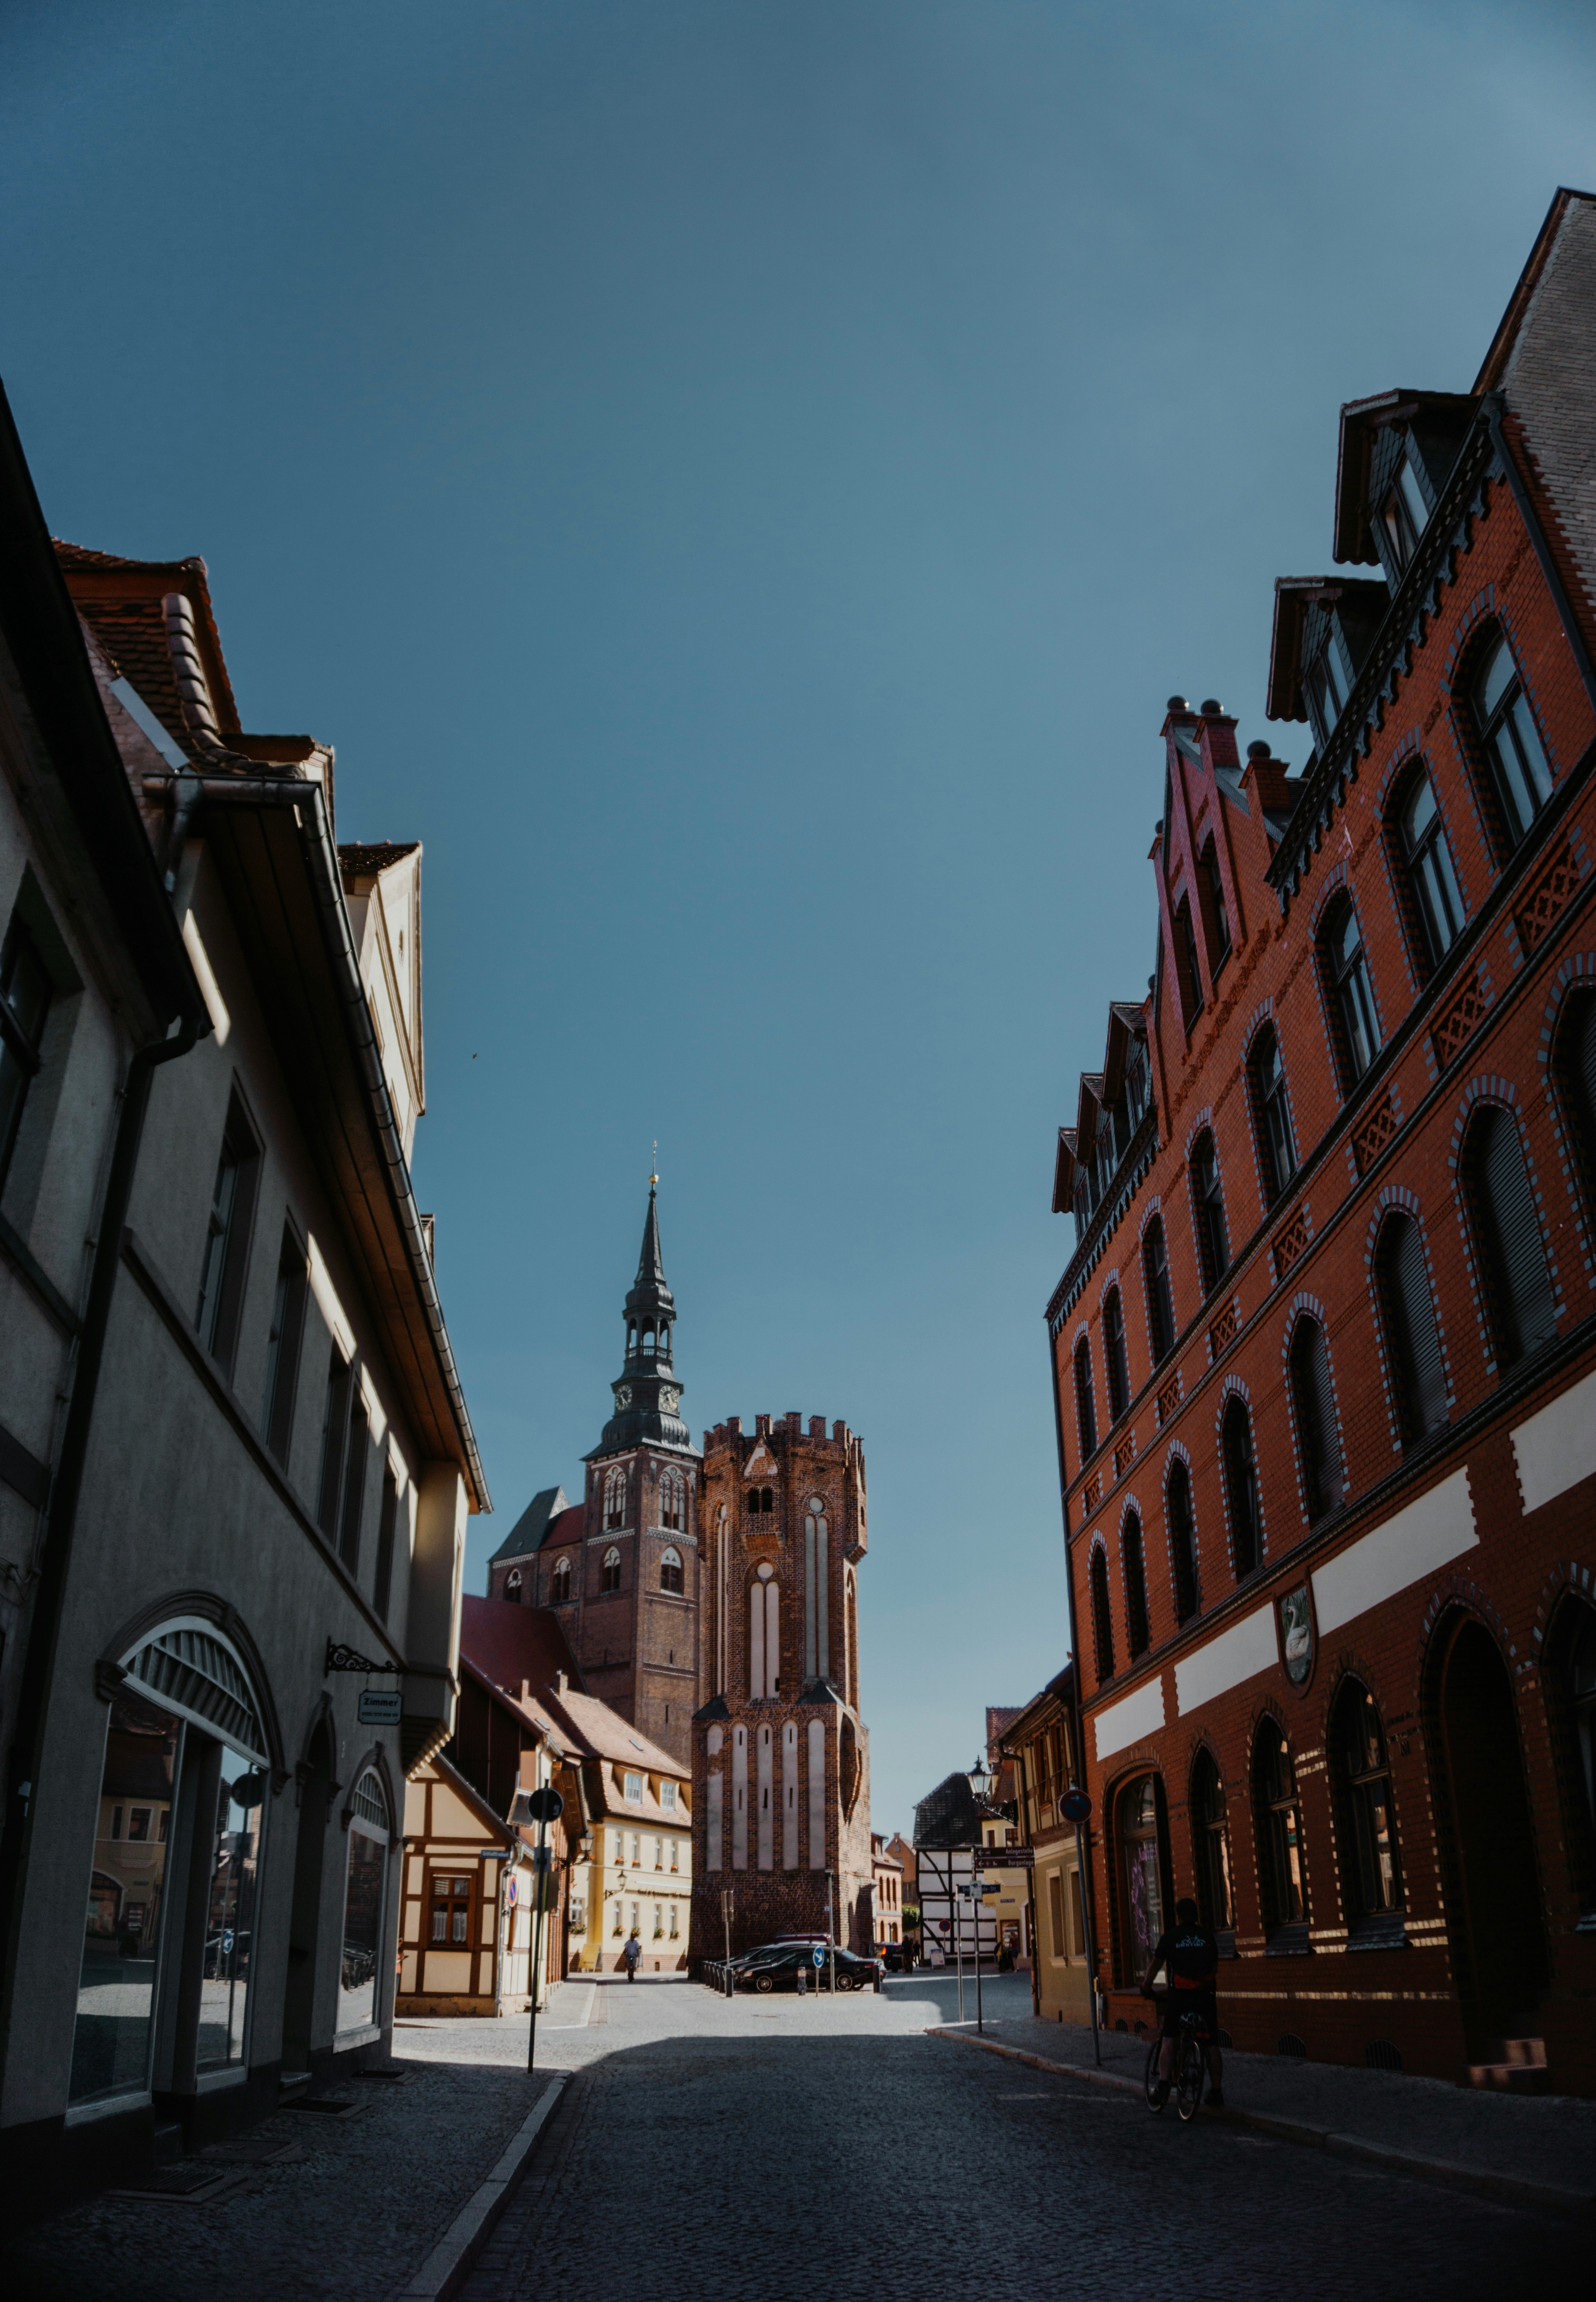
(651,1270)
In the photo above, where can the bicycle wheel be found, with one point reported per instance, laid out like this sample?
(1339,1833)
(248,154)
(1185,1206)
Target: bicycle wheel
(1150,2075)
(1188,2076)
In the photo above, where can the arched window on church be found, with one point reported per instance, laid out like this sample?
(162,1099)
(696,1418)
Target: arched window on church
(512,1581)
(816,1579)
(670,1570)
(559,1590)
(614,1496)
(671,1501)
(610,1578)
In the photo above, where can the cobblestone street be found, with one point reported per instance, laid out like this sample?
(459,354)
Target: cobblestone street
(779,2147)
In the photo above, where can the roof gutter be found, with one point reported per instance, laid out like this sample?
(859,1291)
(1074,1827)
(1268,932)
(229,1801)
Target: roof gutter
(308,802)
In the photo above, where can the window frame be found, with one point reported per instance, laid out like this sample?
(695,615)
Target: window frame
(1116,1358)
(1504,1301)
(230,1229)
(1358,1793)
(1208,1210)
(1086,1406)
(1217,931)
(1282,1860)
(1349,991)
(285,1340)
(1133,1573)
(610,1571)
(21,1039)
(1319,1453)
(1158,1292)
(561,1574)
(670,1560)
(1487,725)
(1392,1292)
(1272,1117)
(1210,1831)
(1102,1613)
(1238,1415)
(1427,869)
(1185,1563)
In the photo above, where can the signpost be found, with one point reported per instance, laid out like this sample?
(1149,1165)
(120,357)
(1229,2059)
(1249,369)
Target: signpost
(1075,1805)
(380,1706)
(542,1806)
(1008,1858)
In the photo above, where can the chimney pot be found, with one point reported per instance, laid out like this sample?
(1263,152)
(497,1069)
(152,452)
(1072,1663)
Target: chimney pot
(1177,703)
(1258,750)
(1212,708)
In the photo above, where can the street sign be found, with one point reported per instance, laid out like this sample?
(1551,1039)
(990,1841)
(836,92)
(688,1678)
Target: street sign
(820,1954)
(380,1705)
(1075,1805)
(512,1893)
(1008,1858)
(545,1805)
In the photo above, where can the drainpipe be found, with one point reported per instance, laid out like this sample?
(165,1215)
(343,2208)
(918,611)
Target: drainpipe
(43,1633)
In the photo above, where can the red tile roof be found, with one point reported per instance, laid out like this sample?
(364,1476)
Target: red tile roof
(508,1643)
(120,600)
(564,1527)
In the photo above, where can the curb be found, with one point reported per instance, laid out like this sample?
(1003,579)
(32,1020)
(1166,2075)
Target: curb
(444,2269)
(1512,2190)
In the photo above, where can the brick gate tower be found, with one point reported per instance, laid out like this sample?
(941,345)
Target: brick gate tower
(780,1758)
(621,1567)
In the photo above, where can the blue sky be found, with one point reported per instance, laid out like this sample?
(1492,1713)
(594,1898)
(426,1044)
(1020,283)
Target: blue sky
(739,482)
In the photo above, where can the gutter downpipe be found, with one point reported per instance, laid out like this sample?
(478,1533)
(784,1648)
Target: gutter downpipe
(66,1487)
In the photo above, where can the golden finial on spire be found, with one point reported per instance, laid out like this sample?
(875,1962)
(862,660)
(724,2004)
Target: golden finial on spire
(654,1166)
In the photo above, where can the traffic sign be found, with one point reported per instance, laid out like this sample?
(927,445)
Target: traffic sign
(820,1954)
(1075,1805)
(1008,1858)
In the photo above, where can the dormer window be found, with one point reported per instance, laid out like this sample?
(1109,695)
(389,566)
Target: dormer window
(1403,516)
(1328,683)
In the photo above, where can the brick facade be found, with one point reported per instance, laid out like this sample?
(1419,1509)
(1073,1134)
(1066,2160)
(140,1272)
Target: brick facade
(780,1754)
(1445,1572)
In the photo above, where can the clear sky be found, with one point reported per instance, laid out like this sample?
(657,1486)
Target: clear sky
(739,481)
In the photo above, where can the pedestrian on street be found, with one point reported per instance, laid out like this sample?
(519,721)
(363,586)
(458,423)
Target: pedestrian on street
(631,1953)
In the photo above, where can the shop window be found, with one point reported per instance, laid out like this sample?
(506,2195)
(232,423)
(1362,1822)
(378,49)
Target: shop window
(1370,1866)
(1407,1313)
(1142,1871)
(1517,1284)
(1207,1199)
(1313,1403)
(1281,1872)
(1161,1306)
(358,2003)
(1241,1487)
(1113,1352)
(126,1905)
(1211,1844)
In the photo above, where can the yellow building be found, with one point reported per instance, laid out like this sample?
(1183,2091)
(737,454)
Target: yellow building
(1041,1739)
(633,1871)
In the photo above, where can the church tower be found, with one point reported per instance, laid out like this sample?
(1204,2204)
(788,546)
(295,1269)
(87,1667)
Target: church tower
(621,1567)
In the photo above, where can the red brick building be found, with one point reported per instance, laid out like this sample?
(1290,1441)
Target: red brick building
(1324,1355)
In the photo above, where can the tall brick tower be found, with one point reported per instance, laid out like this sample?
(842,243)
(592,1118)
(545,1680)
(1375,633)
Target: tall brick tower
(780,1757)
(621,1567)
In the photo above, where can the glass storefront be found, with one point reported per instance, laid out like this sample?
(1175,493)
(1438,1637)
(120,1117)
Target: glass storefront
(229,1912)
(127,1896)
(357,1998)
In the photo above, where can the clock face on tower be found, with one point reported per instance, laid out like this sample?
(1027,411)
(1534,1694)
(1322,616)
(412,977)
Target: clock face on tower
(623,1394)
(668,1397)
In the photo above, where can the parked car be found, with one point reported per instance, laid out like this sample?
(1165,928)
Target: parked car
(777,1968)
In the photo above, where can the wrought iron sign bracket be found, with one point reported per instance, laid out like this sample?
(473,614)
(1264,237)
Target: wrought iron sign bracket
(342,1658)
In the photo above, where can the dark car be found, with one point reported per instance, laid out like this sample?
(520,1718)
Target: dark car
(777,1967)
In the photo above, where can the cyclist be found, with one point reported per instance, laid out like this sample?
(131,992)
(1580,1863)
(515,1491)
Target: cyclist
(1189,1956)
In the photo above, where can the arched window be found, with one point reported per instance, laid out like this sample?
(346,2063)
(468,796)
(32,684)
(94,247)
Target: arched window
(762,1501)
(1161,1304)
(1216,919)
(1511,741)
(670,1570)
(1211,1843)
(559,1590)
(1101,1616)
(614,1496)
(817,1590)
(1141,1856)
(1408,1311)
(1352,995)
(671,1503)
(1317,1445)
(1431,881)
(610,1575)
(1113,1352)
(1186,964)
(1281,1873)
(1207,1199)
(1576,1074)
(1138,1633)
(1363,1782)
(1277,1153)
(648,1342)
(1086,1414)
(1241,1487)
(358,2000)
(1508,1236)
(512,1581)
(1182,1539)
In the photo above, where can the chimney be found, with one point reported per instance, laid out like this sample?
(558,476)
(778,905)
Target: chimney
(560,1681)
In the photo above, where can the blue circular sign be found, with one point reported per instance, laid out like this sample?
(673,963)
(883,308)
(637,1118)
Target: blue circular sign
(1075,1806)
(819,1955)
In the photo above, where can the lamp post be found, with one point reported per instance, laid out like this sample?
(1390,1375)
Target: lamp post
(542,1806)
(981,1779)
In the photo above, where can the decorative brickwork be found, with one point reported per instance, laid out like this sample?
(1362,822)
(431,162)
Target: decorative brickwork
(1221,1332)
(1124,1455)
(1291,1240)
(1457,1021)
(1169,1399)
(1548,898)
(1373,1132)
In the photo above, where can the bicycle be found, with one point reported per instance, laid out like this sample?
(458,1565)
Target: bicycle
(1190,2067)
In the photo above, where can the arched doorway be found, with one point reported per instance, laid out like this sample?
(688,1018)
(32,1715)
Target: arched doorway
(315,1798)
(1144,1874)
(1498,1936)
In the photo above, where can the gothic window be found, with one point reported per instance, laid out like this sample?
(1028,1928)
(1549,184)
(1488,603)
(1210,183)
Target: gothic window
(1182,1536)
(1086,1414)
(609,1577)
(1211,1844)
(614,1496)
(1281,1872)
(671,1503)
(1207,1198)
(1364,1786)
(1277,1153)
(1161,1304)
(1431,881)
(1511,741)
(1241,1487)
(1186,964)
(1137,1635)
(1501,1206)
(561,1588)
(1352,997)
(1576,1074)
(817,1584)
(1314,1405)
(1216,919)
(1407,1312)
(1113,1351)
(670,1570)
(512,1581)
(1101,1616)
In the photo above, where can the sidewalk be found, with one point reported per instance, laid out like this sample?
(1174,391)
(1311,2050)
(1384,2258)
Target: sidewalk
(1538,2150)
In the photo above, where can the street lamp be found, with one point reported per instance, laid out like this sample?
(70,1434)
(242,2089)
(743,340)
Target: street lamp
(981,1779)
(542,1806)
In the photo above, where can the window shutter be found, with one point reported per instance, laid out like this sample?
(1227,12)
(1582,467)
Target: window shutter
(1410,1320)
(1517,1280)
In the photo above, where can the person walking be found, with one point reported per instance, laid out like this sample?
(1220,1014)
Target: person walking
(631,1953)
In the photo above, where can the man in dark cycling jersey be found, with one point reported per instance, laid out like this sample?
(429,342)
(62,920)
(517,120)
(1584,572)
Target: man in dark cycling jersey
(1189,1957)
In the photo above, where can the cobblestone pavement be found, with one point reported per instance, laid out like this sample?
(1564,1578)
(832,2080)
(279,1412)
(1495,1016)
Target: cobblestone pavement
(789,2148)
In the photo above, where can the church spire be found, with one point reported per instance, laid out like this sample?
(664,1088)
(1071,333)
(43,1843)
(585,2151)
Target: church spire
(647,1394)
